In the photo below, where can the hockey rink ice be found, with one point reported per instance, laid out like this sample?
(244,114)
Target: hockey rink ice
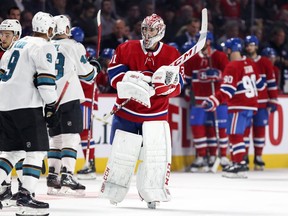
(261,194)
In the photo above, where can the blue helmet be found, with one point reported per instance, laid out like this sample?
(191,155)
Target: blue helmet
(268,52)
(235,44)
(107,53)
(77,34)
(251,39)
(209,36)
(186,46)
(91,51)
(174,45)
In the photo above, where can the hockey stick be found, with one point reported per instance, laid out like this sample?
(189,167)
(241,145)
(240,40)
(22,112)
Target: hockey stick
(181,60)
(94,91)
(63,92)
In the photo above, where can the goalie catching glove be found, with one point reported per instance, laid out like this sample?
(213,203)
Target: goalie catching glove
(165,79)
(210,75)
(135,85)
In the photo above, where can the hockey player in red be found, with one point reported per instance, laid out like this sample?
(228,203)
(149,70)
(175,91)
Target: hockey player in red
(140,71)
(239,90)
(267,99)
(204,71)
(270,53)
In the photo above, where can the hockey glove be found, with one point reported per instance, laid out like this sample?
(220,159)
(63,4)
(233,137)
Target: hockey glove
(210,104)
(272,105)
(210,74)
(93,61)
(51,116)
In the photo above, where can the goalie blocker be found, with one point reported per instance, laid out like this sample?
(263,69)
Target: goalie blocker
(154,170)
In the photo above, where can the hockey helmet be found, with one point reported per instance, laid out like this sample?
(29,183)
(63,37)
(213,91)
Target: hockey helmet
(62,22)
(209,36)
(41,22)
(186,46)
(11,25)
(268,52)
(251,39)
(235,44)
(173,44)
(91,52)
(107,53)
(150,24)
(77,34)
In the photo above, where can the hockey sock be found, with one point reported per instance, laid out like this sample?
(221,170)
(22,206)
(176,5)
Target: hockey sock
(54,154)
(32,165)
(247,139)
(238,147)
(199,139)
(258,139)
(223,142)
(211,140)
(18,167)
(69,151)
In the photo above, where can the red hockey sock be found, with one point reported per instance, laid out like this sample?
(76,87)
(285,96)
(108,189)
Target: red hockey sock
(200,139)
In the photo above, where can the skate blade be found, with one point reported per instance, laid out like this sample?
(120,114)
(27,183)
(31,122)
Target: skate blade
(52,191)
(259,168)
(26,211)
(239,175)
(199,170)
(89,176)
(8,203)
(66,191)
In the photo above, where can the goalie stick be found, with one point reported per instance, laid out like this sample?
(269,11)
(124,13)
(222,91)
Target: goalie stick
(181,60)
(94,90)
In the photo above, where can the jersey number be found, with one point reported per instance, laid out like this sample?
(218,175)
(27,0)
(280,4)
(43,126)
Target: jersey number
(60,65)
(11,66)
(249,84)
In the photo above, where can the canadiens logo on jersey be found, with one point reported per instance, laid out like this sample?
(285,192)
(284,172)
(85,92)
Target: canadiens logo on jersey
(248,69)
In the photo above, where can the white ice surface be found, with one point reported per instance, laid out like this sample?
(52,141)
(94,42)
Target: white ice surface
(262,194)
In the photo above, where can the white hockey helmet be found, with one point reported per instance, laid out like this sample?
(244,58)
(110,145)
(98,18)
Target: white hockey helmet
(151,23)
(62,22)
(41,22)
(11,25)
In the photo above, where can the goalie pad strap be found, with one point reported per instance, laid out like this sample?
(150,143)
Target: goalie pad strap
(121,164)
(154,171)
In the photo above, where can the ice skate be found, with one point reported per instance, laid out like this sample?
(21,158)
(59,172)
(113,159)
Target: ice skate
(5,194)
(30,206)
(237,170)
(152,205)
(199,165)
(259,164)
(53,182)
(70,186)
(88,172)
(224,162)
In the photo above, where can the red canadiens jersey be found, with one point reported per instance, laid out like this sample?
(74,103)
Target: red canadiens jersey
(88,92)
(240,85)
(202,90)
(1,53)
(132,56)
(267,73)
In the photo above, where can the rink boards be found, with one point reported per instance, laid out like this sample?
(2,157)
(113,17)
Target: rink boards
(275,151)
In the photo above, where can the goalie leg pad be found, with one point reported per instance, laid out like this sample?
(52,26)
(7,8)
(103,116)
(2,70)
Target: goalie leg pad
(154,171)
(121,165)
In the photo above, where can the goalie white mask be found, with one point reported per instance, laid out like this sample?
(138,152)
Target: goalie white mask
(62,22)
(152,30)
(41,23)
